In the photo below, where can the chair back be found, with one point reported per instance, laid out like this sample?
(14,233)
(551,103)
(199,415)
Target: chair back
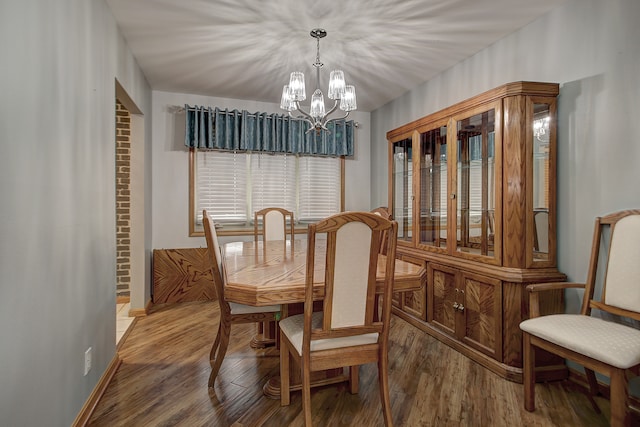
(215,258)
(353,239)
(383,211)
(621,288)
(274,224)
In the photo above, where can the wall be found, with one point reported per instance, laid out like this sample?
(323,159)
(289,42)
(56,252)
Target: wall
(592,49)
(57,184)
(171,165)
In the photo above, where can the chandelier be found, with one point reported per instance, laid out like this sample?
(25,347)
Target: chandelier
(344,95)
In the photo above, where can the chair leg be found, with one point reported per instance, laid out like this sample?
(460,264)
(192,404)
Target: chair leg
(529,375)
(619,395)
(354,379)
(383,379)
(305,371)
(593,389)
(223,333)
(285,394)
(216,344)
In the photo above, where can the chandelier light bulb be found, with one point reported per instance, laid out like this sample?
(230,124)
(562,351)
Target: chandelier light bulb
(336,85)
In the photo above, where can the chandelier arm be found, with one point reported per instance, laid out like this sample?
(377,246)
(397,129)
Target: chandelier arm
(304,118)
(308,117)
(338,118)
(335,105)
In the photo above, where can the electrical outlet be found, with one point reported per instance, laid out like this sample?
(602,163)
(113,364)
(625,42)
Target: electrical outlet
(87,361)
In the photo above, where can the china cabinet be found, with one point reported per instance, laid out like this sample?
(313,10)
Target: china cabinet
(473,189)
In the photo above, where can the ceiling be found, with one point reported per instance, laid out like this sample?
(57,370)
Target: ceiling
(245,49)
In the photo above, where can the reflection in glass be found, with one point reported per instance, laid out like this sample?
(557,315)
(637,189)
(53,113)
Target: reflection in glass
(402,188)
(476,184)
(541,119)
(433,187)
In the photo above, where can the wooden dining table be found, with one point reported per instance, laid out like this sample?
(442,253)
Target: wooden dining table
(273,273)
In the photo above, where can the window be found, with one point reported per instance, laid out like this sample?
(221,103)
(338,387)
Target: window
(231,186)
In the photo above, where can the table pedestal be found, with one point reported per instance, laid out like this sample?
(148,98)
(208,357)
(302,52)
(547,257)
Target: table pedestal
(265,335)
(332,376)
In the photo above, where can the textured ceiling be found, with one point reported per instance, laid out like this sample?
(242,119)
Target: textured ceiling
(245,49)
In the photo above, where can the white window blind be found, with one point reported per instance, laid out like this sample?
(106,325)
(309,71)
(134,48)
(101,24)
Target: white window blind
(273,181)
(221,185)
(319,194)
(232,186)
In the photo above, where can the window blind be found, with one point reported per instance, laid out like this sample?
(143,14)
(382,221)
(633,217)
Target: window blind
(232,186)
(319,194)
(273,181)
(221,185)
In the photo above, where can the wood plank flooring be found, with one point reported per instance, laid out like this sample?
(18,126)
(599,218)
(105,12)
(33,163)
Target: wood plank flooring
(163,382)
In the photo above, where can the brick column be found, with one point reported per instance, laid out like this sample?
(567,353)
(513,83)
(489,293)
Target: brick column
(123,200)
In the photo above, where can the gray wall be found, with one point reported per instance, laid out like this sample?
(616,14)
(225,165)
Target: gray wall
(171,165)
(592,49)
(57,182)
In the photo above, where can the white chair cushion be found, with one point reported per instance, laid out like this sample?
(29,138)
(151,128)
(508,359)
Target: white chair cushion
(293,327)
(246,309)
(612,343)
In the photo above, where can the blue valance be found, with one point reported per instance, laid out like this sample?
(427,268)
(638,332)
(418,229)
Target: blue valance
(217,129)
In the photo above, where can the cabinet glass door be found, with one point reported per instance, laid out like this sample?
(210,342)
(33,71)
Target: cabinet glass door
(541,184)
(475,197)
(433,187)
(402,176)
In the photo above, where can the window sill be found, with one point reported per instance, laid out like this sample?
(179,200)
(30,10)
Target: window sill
(245,230)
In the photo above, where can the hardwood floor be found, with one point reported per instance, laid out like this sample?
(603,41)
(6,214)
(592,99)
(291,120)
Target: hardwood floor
(162,381)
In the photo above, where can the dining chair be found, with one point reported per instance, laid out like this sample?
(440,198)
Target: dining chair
(230,312)
(274,224)
(604,343)
(345,333)
(271,224)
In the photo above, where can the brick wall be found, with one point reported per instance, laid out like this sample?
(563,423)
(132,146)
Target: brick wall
(123,199)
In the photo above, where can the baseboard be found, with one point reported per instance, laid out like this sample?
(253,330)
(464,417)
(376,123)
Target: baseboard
(126,334)
(141,312)
(122,299)
(90,405)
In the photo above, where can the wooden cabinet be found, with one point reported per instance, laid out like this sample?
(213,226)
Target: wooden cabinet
(473,189)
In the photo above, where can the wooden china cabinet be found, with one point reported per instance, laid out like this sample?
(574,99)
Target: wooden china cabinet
(473,189)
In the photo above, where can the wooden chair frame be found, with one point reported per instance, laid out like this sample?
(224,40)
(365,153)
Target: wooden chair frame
(354,355)
(618,377)
(230,313)
(383,211)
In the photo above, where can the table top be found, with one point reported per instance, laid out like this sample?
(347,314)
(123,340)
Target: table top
(270,273)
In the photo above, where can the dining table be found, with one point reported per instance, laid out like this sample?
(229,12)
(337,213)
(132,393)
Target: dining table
(261,273)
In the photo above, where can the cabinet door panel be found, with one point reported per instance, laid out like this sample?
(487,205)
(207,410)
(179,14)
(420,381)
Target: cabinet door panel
(402,187)
(483,314)
(415,302)
(441,282)
(477,181)
(433,186)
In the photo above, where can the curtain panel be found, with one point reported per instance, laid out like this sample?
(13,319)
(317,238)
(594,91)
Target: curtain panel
(216,129)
